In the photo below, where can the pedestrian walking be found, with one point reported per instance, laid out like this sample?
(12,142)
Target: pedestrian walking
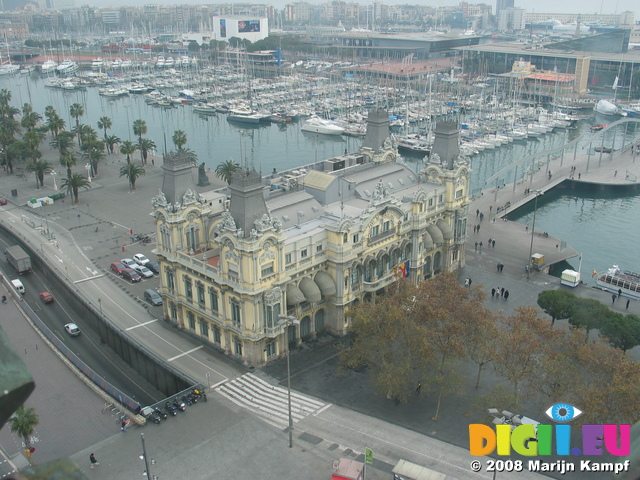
(478,228)
(615,174)
(501,267)
(476,247)
(506,294)
(498,268)
(474,229)
(493,292)
(466,282)
(490,208)
(481,216)
(480,247)
(628,300)
(92,459)
(489,241)
(619,292)
(419,387)
(502,291)
(613,298)
(477,212)
(579,174)
(493,243)
(4,299)
(469,282)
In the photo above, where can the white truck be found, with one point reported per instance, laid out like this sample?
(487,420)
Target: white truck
(17,257)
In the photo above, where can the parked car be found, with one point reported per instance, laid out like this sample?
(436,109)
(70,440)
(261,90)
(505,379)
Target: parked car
(153,266)
(131,275)
(3,201)
(46,297)
(128,262)
(143,271)
(117,267)
(152,297)
(72,329)
(140,259)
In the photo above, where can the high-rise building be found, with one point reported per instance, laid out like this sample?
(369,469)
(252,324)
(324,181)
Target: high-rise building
(503,4)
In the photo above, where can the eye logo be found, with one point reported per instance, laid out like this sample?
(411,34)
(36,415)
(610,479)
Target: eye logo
(563,412)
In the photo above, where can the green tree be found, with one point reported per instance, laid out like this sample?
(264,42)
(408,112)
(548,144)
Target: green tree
(33,139)
(93,152)
(588,313)
(132,172)
(622,331)
(226,169)
(23,423)
(63,142)
(558,304)
(76,111)
(111,141)
(139,129)
(56,124)
(128,148)
(145,146)
(50,112)
(40,168)
(30,120)
(105,123)
(74,184)
(87,134)
(68,160)
(179,139)
(9,128)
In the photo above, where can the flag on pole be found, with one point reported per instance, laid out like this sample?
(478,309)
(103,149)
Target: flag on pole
(594,274)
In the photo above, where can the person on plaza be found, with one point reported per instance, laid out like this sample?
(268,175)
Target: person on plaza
(628,300)
(475,249)
(489,241)
(466,282)
(498,268)
(619,292)
(493,292)
(4,299)
(477,212)
(480,246)
(469,282)
(502,291)
(478,228)
(92,459)
(419,387)
(506,294)
(613,298)
(123,425)
(481,216)
(493,243)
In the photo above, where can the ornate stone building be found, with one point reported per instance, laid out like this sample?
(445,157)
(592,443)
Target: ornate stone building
(309,243)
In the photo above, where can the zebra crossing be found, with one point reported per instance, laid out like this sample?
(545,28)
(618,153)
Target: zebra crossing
(269,401)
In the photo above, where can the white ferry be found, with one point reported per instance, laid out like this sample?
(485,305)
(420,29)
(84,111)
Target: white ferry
(614,280)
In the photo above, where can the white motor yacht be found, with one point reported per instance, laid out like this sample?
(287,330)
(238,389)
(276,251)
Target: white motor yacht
(320,125)
(67,67)
(48,66)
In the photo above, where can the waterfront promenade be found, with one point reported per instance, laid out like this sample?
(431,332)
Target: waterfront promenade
(95,232)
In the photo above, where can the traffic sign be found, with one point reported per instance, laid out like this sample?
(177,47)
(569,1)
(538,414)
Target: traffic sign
(368,456)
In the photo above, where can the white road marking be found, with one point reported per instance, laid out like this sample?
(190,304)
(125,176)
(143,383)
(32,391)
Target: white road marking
(184,353)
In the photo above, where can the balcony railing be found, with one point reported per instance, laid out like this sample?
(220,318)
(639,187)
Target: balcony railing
(379,283)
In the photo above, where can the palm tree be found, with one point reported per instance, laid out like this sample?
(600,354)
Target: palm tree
(40,168)
(139,129)
(111,141)
(76,111)
(179,139)
(87,134)
(50,112)
(128,148)
(5,96)
(23,423)
(30,120)
(104,123)
(9,128)
(145,145)
(226,169)
(56,124)
(74,184)
(33,139)
(69,160)
(93,152)
(132,172)
(63,142)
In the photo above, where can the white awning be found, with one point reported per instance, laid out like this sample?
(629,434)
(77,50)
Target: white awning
(444,227)
(428,242)
(326,284)
(310,290)
(294,295)
(436,233)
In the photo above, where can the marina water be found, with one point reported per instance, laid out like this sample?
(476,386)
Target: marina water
(586,221)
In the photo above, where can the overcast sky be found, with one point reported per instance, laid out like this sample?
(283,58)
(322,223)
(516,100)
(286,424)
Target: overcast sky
(537,6)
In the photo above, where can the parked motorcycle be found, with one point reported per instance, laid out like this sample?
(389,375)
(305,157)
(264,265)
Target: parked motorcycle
(180,406)
(160,413)
(199,394)
(171,408)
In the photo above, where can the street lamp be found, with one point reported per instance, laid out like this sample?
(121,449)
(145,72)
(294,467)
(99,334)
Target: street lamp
(289,320)
(533,229)
(147,471)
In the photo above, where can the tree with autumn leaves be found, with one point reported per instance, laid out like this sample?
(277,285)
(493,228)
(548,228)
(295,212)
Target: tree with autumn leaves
(426,333)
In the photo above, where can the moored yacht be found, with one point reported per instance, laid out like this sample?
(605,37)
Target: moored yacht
(319,125)
(48,66)
(67,67)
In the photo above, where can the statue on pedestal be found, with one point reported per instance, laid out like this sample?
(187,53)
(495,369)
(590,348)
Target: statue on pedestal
(203,180)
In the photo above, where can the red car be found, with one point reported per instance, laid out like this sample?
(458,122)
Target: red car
(3,201)
(131,275)
(46,297)
(117,267)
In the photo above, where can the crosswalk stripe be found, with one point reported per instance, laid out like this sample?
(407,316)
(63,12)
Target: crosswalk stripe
(267,400)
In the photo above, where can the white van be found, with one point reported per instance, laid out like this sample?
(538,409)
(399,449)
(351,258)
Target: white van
(17,284)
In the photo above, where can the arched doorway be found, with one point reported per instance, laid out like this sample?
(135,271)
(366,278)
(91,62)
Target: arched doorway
(319,320)
(305,327)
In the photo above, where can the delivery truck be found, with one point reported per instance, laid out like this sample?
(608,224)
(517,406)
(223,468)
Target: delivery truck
(17,257)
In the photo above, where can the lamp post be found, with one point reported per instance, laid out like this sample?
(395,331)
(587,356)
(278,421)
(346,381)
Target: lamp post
(289,320)
(100,303)
(533,229)
(147,471)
